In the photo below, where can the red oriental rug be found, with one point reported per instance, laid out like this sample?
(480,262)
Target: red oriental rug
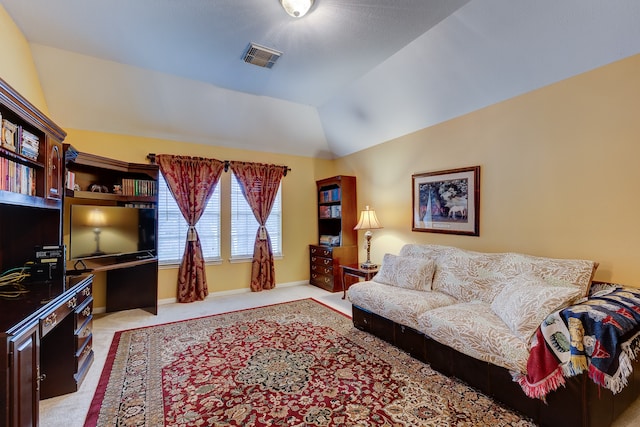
(294,364)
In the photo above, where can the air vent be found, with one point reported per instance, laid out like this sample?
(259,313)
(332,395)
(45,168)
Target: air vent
(261,56)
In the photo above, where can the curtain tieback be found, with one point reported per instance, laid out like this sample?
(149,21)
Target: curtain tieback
(262,233)
(191,234)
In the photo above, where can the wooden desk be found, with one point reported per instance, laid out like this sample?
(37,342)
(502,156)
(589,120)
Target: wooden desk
(131,282)
(355,271)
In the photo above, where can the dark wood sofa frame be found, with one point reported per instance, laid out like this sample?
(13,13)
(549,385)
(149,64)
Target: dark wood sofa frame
(580,403)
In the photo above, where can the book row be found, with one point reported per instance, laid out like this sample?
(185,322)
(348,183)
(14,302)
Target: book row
(139,187)
(330,211)
(17,178)
(330,195)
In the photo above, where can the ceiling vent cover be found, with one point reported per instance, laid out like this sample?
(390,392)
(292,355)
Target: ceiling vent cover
(261,56)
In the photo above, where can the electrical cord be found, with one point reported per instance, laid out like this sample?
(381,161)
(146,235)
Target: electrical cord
(11,285)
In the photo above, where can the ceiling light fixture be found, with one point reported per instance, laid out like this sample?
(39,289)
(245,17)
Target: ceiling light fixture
(296,8)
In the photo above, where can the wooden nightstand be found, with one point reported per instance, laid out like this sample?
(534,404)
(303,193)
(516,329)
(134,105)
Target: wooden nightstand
(355,271)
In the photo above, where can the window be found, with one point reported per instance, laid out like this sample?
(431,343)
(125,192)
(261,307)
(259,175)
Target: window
(172,227)
(244,225)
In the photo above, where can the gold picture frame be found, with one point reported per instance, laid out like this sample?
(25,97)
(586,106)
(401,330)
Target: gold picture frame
(9,135)
(447,201)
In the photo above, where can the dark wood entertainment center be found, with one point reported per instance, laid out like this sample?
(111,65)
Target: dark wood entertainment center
(125,272)
(46,317)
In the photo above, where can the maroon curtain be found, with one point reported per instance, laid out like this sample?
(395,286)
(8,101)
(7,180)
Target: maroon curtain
(191,181)
(259,184)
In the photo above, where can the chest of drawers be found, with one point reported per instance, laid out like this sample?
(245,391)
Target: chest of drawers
(324,265)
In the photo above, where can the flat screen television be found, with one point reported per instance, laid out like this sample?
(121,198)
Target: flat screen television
(98,231)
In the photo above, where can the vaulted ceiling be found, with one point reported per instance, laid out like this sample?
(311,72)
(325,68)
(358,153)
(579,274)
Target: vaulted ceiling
(352,74)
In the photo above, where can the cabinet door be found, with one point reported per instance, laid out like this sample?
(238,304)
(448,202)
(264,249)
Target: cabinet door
(24,373)
(54,169)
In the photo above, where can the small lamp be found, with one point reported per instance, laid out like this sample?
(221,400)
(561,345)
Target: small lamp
(96,220)
(296,8)
(368,221)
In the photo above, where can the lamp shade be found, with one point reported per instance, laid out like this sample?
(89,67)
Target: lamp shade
(368,220)
(97,218)
(296,8)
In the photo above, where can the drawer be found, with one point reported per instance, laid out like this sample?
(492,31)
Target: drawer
(81,373)
(316,260)
(84,333)
(321,269)
(83,353)
(322,280)
(51,320)
(323,252)
(82,313)
(84,293)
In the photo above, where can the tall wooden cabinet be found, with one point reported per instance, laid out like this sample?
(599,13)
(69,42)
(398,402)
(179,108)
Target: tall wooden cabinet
(337,240)
(30,216)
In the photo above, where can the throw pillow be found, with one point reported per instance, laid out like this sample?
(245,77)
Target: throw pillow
(527,300)
(406,272)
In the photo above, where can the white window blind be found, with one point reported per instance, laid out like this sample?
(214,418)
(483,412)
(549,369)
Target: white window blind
(244,225)
(172,227)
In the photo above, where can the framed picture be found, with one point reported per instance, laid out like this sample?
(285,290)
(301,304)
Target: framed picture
(447,201)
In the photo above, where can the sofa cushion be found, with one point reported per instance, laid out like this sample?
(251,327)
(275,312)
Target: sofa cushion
(473,329)
(406,272)
(401,305)
(478,276)
(527,300)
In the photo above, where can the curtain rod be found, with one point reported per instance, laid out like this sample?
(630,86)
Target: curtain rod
(227,163)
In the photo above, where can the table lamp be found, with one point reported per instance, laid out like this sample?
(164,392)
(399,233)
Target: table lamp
(368,221)
(97,219)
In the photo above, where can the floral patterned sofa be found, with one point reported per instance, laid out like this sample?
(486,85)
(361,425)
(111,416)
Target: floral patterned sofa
(475,316)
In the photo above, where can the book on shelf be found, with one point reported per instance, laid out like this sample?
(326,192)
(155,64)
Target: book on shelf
(139,187)
(70,180)
(327,196)
(329,240)
(17,178)
(29,144)
(325,212)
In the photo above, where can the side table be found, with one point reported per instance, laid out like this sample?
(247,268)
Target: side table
(355,271)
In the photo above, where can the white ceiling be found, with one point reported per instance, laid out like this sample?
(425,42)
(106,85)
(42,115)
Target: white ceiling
(353,74)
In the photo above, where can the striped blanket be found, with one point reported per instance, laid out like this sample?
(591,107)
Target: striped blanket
(600,335)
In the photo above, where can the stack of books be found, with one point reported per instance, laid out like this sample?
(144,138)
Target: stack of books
(29,145)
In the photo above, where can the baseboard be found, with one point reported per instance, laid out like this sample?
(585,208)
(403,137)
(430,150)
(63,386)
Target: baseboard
(99,310)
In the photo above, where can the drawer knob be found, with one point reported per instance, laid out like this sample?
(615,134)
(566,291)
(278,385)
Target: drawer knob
(86,350)
(85,332)
(86,291)
(72,303)
(87,311)
(327,261)
(51,320)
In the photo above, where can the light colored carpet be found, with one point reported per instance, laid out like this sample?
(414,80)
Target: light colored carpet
(70,410)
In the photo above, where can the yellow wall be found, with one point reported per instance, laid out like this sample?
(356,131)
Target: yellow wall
(298,206)
(559,175)
(16,66)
